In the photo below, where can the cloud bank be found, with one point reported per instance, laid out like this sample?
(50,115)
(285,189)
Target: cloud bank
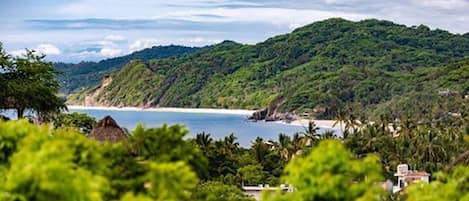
(92,30)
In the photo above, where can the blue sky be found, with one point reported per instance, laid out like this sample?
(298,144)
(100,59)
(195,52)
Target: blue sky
(75,30)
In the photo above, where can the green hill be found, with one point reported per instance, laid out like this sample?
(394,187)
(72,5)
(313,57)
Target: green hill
(322,67)
(85,74)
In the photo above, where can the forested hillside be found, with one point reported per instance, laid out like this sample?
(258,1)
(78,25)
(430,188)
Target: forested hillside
(322,68)
(85,74)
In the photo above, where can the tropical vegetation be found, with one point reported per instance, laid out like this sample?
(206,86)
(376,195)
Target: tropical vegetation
(318,70)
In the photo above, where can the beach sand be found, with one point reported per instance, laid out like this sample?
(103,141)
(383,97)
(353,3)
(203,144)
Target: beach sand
(167,109)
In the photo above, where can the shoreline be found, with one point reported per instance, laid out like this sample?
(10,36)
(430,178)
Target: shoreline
(327,124)
(166,109)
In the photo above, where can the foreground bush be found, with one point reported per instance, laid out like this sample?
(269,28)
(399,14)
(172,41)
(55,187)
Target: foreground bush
(39,163)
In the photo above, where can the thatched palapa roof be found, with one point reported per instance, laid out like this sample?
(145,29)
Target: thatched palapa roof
(107,130)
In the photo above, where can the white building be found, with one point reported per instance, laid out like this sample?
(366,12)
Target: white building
(406,177)
(256,191)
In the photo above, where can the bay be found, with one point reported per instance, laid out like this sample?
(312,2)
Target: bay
(218,125)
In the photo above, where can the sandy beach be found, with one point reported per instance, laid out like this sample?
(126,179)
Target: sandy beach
(167,109)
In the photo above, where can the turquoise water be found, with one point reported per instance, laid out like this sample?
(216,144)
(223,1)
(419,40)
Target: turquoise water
(218,125)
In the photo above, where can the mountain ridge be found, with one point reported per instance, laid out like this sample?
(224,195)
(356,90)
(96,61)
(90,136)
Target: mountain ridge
(320,68)
(87,73)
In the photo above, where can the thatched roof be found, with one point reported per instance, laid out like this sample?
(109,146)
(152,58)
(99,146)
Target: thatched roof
(107,130)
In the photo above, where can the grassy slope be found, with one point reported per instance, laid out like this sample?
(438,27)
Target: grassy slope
(86,74)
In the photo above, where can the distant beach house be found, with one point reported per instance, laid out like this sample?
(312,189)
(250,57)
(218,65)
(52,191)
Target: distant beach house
(256,191)
(406,177)
(447,93)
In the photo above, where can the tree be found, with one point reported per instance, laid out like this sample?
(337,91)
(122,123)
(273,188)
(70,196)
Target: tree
(5,63)
(252,175)
(81,121)
(167,144)
(230,144)
(297,145)
(54,165)
(330,172)
(203,141)
(171,181)
(283,146)
(310,134)
(10,136)
(260,149)
(41,164)
(30,84)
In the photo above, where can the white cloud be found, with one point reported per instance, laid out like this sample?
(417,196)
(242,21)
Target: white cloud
(291,18)
(102,53)
(114,38)
(76,8)
(445,4)
(76,25)
(110,52)
(48,49)
(144,43)
(330,1)
(198,40)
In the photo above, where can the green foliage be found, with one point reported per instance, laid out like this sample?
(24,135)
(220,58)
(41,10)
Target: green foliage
(44,162)
(428,141)
(10,136)
(166,144)
(331,172)
(40,163)
(81,121)
(127,173)
(171,181)
(216,191)
(252,175)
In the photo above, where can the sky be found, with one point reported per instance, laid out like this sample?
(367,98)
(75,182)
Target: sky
(76,30)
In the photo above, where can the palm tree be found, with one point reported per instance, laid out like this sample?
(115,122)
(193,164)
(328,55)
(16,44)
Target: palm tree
(283,145)
(203,141)
(297,144)
(340,119)
(230,144)
(260,149)
(310,134)
(429,147)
